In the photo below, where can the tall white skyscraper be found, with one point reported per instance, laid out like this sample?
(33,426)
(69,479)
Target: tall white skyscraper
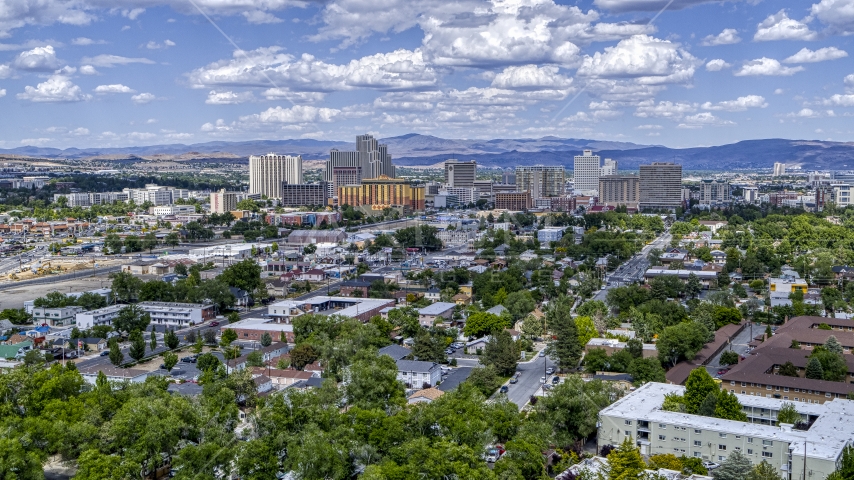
(779,169)
(586,172)
(268,172)
(609,167)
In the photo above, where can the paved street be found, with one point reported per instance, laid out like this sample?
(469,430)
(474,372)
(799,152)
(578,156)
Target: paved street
(529,382)
(738,345)
(632,271)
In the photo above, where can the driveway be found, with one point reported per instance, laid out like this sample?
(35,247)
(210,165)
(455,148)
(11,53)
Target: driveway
(738,345)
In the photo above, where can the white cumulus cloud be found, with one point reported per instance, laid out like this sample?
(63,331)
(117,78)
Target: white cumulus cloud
(228,98)
(738,105)
(55,89)
(259,17)
(115,88)
(727,37)
(646,59)
(39,59)
(531,77)
(765,66)
(2,92)
(143,98)
(839,14)
(648,5)
(717,65)
(664,109)
(805,55)
(704,119)
(84,41)
(152,45)
(88,70)
(780,27)
(398,70)
(113,60)
(5,71)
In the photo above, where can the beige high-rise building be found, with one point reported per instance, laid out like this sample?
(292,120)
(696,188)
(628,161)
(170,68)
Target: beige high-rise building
(609,167)
(619,190)
(268,172)
(660,186)
(223,201)
(779,169)
(586,169)
(460,174)
(541,181)
(714,192)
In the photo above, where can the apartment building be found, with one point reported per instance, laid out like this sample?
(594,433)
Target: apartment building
(715,193)
(303,194)
(178,315)
(513,201)
(268,172)
(56,317)
(759,373)
(223,201)
(619,190)
(460,174)
(660,186)
(101,316)
(794,453)
(779,169)
(546,235)
(465,195)
(609,167)
(155,195)
(586,170)
(542,181)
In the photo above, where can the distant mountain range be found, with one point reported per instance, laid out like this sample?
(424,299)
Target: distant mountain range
(424,150)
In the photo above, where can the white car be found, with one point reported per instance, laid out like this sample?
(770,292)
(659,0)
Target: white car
(710,465)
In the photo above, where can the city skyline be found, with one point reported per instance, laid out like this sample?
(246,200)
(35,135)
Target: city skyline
(696,73)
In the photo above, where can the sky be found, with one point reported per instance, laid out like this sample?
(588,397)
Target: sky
(680,73)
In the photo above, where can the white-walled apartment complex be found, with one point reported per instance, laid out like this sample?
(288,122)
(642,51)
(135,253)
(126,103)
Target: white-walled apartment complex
(268,172)
(818,449)
(162,313)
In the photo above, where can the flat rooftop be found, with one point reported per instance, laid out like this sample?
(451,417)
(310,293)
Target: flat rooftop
(260,324)
(825,439)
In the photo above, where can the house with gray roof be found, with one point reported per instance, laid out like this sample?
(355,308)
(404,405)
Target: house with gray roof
(418,374)
(396,352)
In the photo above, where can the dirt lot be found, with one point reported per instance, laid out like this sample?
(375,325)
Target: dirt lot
(59,265)
(15,297)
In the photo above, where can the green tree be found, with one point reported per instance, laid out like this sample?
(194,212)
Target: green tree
(832,345)
(372,383)
(698,385)
(520,304)
(729,358)
(131,318)
(693,286)
(764,471)
(171,239)
(227,338)
(735,467)
(149,242)
(170,359)
(113,243)
(667,461)
(681,341)
(126,286)
(645,370)
(302,355)
(788,369)
(501,353)
(814,369)
(170,339)
(266,340)
(153,343)
(788,414)
(418,236)
(728,407)
(709,405)
(137,345)
(484,379)
(132,244)
(117,358)
(566,347)
(255,359)
(625,462)
(483,323)
(245,275)
(585,329)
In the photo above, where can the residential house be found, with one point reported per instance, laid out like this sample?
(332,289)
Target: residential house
(416,374)
(241,297)
(15,350)
(283,378)
(426,395)
(313,275)
(718,257)
(441,311)
(473,346)
(56,316)
(461,299)
(262,383)
(432,294)
(114,374)
(354,288)
(497,310)
(396,352)
(93,344)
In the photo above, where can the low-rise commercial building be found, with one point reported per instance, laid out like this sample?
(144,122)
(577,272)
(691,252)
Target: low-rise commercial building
(101,316)
(178,315)
(547,235)
(815,451)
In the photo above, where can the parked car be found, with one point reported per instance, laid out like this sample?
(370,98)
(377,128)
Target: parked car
(710,465)
(504,389)
(542,353)
(104,353)
(190,359)
(514,380)
(550,370)
(555,380)
(494,453)
(543,379)
(214,323)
